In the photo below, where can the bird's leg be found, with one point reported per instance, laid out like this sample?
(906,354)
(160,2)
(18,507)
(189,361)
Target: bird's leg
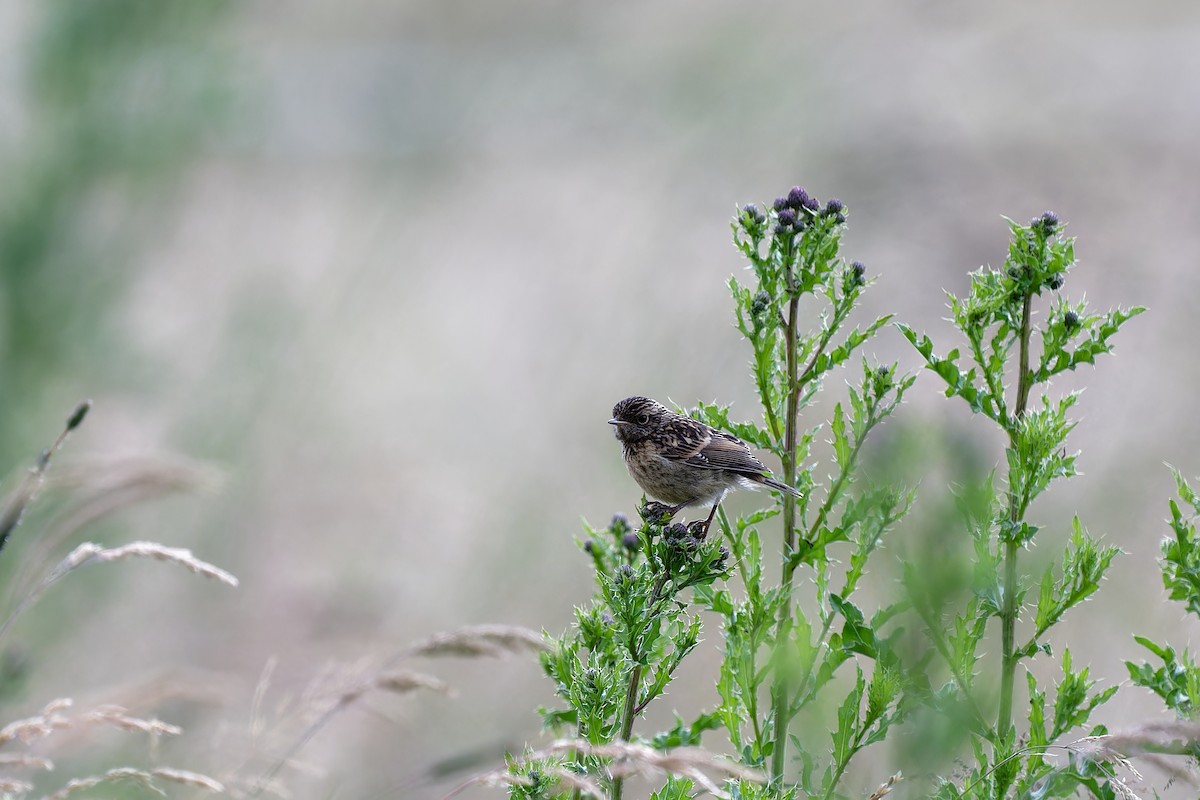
(711,514)
(699,528)
(675,509)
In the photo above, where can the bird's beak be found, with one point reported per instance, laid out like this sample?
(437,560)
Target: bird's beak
(617,422)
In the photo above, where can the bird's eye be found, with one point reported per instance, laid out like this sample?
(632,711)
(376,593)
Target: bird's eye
(643,419)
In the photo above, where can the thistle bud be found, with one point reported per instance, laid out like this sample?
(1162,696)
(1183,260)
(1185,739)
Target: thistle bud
(797,198)
(760,304)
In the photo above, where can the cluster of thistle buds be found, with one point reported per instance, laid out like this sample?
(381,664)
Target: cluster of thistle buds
(686,538)
(1047,223)
(1041,229)
(793,213)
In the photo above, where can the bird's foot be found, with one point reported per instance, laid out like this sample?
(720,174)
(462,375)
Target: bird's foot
(658,513)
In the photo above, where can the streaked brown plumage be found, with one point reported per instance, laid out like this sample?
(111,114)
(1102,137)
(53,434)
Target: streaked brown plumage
(681,461)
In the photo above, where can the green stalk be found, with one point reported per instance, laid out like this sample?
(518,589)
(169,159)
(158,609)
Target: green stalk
(630,711)
(781,690)
(1008,615)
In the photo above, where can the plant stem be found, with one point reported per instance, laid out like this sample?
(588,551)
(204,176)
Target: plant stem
(781,691)
(1008,615)
(630,711)
(841,767)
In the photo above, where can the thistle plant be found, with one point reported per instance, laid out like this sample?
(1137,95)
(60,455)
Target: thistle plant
(1008,347)
(779,654)
(796,316)
(624,651)
(1176,679)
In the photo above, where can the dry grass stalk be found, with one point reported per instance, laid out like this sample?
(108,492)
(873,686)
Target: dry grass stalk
(565,778)
(102,489)
(17,502)
(403,681)
(12,786)
(576,782)
(119,717)
(1175,738)
(26,760)
(89,553)
(38,726)
(53,718)
(702,767)
(686,762)
(1122,789)
(475,641)
(488,641)
(886,788)
(93,553)
(1151,743)
(258,722)
(188,778)
(147,779)
(143,475)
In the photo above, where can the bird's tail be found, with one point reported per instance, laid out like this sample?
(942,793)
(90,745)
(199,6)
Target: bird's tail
(766,480)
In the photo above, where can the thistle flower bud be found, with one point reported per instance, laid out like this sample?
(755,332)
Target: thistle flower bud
(797,198)
(854,276)
(881,381)
(722,557)
(760,304)
(676,530)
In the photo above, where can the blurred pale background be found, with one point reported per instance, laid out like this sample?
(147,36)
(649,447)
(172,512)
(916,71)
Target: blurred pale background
(387,267)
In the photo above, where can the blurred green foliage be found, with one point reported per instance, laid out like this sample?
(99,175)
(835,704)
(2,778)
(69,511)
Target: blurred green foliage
(119,96)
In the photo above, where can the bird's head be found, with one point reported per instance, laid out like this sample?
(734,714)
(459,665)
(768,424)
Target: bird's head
(635,418)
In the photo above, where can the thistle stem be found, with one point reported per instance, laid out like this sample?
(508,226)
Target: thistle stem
(1008,615)
(630,711)
(781,691)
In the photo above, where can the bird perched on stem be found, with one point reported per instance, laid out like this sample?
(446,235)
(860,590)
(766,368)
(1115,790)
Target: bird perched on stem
(683,462)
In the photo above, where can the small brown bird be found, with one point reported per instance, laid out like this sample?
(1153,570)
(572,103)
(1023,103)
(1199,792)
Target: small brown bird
(684,462)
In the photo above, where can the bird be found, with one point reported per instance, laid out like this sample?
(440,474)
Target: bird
(683,462)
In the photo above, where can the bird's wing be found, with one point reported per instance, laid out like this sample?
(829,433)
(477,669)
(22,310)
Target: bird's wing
(727,452)
(707,448)
(681,438)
